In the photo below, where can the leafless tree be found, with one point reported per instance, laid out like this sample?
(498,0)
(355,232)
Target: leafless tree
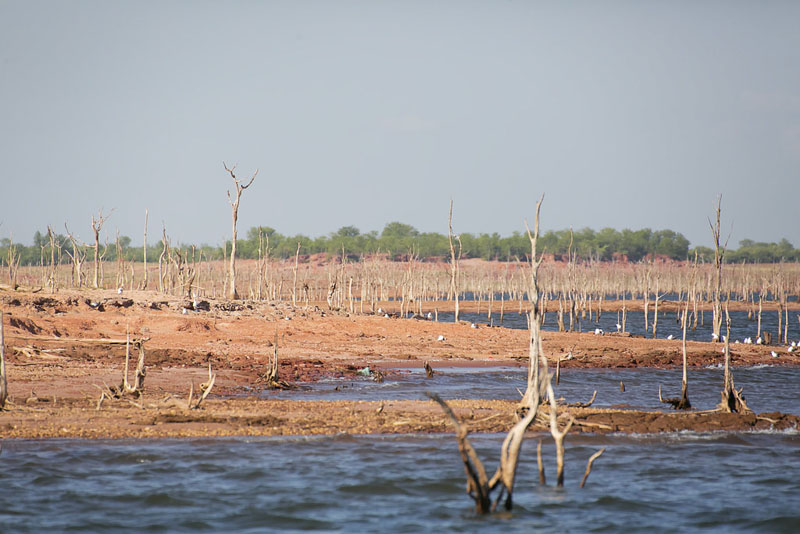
(534,317)
(3,380)
(235,216)
(454,259)
(97,225)
(719,255)
(144,251)
(732,398)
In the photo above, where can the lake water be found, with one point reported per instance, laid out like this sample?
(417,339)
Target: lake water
(408,483)
(741,326)
(766,388)
(679,482)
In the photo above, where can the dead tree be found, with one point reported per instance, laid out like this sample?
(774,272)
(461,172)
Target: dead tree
(12,262)
(144,251)
(682,403)
(719,255)
(534,317)
(77,257)
(3,380)
(52,279)
(271,376)
(97,225)
(204,390)
(558,435)
(454,259)
(235,216)
(294,285)
(126,388)
(479,486)
(732,399)
(137,387)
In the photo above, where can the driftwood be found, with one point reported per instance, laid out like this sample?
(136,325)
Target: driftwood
(583,404)
(428,370)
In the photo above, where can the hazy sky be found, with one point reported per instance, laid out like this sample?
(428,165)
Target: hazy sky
(625,114)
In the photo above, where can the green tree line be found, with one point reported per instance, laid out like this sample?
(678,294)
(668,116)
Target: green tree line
(399,241)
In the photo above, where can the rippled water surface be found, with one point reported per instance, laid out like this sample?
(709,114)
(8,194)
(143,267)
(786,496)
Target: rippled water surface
(766,388)
(741,326)
(408,483)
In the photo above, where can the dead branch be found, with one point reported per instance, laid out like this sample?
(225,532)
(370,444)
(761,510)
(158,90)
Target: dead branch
(558,435)
(477,483)
(205,389)
(542,478)
(428,370)
(592,458)
(583,404)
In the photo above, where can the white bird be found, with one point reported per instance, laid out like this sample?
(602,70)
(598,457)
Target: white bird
(184,311)
(440,338)
(774,354)
(598,331)
(119,291)
(724,339)
(748,340)
(429,316)
(473,325)
(794,343)
(287,318)
(758,340)
(380,311)
(619,327)
(790,349)
(714,336)
(736,342)
(669,336)
(386,315)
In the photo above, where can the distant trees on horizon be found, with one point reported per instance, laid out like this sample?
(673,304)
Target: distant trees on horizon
(398,241)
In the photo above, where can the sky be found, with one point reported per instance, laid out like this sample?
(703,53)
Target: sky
(624,114)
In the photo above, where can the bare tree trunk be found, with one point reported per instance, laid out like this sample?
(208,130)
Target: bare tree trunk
(534,319)
(454,289)
(719,255)
(294,286)
(144,251)
(97,225)
(232,293)
(3,380)
(732,399)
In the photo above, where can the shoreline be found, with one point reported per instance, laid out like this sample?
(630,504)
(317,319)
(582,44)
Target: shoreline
(61,350)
